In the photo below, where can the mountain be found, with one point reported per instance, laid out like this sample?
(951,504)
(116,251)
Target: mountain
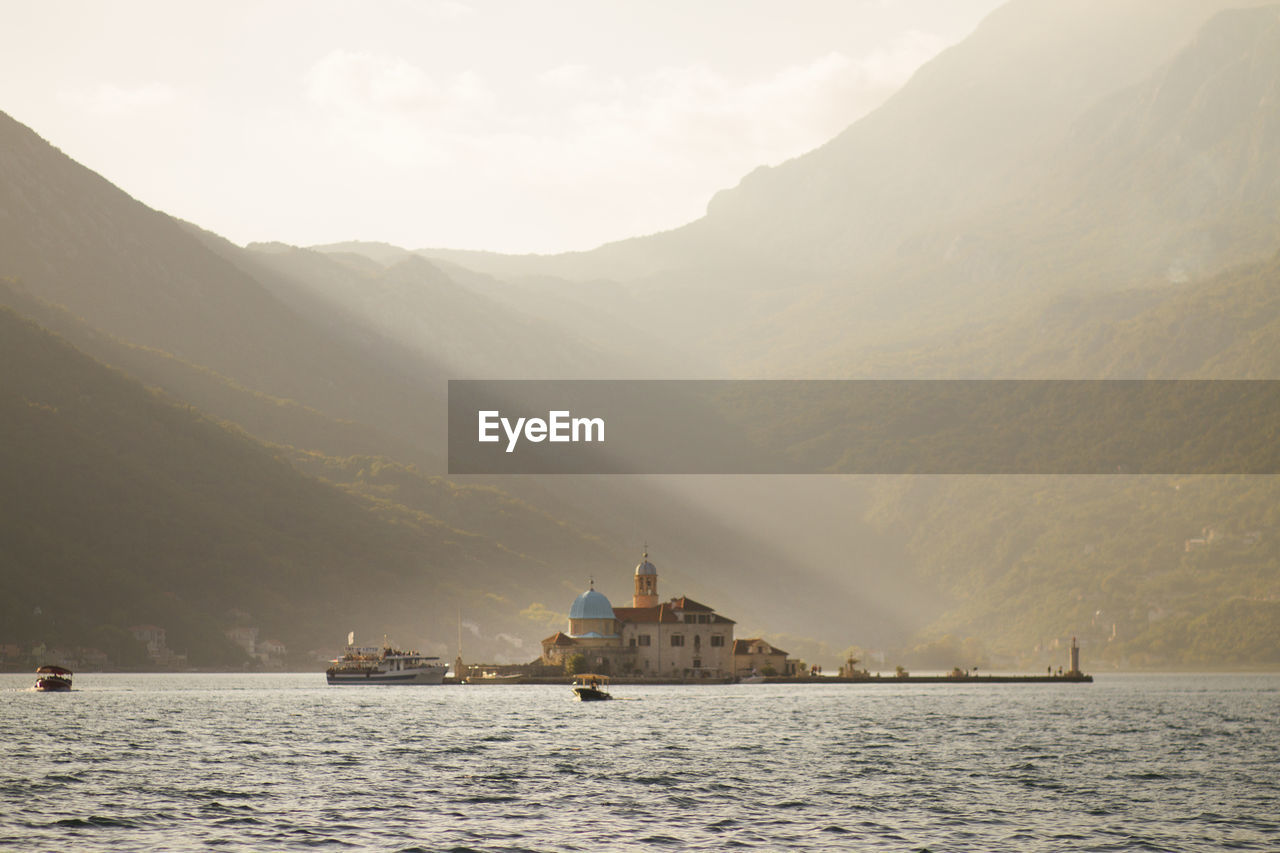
(596,317)
(272,419)
(72,239)
(1146,571)
(969,130)
(1061,147)
(302,350)
(123,506)
(1225,326)
(1169,180)
(421,307)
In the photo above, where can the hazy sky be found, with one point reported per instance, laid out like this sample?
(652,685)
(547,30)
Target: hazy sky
(513,126)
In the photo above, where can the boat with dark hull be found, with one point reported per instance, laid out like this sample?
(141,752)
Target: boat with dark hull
(53,679)
(385,665)
(591,688)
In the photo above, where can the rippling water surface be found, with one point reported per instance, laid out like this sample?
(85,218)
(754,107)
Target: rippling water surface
(186,762)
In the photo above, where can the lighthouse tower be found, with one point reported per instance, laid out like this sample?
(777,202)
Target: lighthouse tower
(1074,658)
(646,594)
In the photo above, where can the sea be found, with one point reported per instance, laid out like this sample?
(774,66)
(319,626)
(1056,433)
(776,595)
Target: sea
(284,762)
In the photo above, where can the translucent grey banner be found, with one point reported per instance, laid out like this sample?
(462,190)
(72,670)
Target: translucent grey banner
(864,427)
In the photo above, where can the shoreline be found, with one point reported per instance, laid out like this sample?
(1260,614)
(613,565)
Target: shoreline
(806,679)
(995,678)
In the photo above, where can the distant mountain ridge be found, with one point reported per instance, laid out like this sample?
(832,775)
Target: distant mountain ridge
(1126,228)
(417,304)
(211,323)
(1043,155)
(72,239)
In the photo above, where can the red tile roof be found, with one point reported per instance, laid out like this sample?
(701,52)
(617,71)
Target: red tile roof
(559,638)
(661,613)
(743,647)
(666,612)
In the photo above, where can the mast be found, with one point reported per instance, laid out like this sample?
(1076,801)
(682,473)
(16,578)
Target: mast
(457,663)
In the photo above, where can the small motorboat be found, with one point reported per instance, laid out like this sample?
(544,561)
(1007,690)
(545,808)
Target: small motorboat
(51,678)
(591,688)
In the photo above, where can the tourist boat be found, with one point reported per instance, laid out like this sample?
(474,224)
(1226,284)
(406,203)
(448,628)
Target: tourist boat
(384,665)
(51,678)
(591,688)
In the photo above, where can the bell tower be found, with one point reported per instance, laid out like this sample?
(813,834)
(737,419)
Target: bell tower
(646,594)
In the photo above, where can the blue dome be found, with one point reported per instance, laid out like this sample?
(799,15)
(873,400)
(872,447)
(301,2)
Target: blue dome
(591,605)
(645,567)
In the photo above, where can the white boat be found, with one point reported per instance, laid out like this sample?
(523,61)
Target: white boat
(384,665)
(496,678)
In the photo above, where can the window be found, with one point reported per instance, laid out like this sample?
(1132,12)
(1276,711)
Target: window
(677,639)
(697,641)
(644,639)
(633,642)
(717,639)
(697,664)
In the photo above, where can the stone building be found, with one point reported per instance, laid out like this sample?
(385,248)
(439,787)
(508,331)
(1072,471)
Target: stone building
(680,638)
(757,657)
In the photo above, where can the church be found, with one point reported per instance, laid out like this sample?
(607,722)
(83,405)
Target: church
(679,638)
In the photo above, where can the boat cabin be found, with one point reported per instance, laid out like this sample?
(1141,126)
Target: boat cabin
(589,686)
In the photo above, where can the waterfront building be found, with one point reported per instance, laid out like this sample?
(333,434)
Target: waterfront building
(757,657)
(679,638)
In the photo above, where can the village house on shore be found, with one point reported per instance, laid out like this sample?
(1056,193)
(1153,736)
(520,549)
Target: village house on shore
(758,657)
